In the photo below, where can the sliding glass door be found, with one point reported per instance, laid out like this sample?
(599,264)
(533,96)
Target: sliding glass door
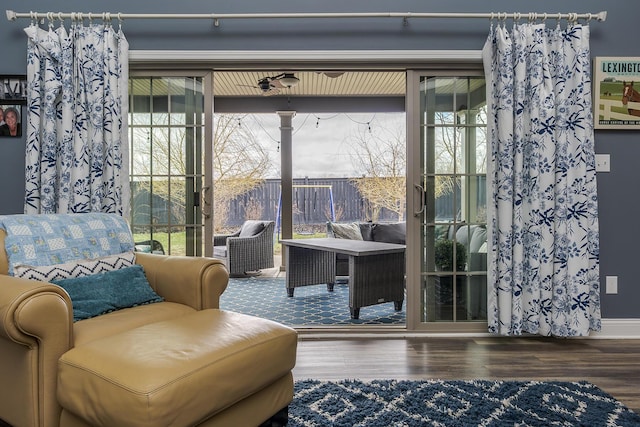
(446,178)
(167,134)
(447,255)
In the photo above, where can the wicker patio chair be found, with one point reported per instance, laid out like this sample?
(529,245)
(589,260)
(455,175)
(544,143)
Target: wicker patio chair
(248,249)
(152,246)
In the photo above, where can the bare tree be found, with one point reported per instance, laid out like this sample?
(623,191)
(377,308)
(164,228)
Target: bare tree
(253,209)
(481,139)
(337,214)
(380,157)
(159,151)
(240,163)
(446,154)
(460,153)
(449,146)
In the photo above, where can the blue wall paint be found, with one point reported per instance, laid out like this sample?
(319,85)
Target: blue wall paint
(619,207)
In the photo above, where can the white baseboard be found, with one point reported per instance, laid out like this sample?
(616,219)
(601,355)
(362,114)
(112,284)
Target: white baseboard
(618,328)
(611,329)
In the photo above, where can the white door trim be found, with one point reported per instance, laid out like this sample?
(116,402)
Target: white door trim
(366,58)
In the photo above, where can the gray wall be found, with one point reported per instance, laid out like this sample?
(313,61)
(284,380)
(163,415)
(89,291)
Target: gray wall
(618,232)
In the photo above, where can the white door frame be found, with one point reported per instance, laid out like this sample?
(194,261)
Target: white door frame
(397,60)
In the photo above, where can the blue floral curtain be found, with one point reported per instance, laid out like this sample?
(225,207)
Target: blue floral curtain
(76,152)
(543,274)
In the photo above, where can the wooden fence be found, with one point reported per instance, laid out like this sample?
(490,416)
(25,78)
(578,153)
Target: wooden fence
(315,201)
(607,114)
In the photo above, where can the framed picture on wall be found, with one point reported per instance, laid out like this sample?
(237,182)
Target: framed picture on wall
(10,119)
(14,88)
(616,92)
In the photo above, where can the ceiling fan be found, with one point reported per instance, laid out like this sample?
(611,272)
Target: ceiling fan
(272,85)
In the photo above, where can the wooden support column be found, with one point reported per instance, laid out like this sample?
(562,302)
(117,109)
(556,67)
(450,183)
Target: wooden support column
(286,177)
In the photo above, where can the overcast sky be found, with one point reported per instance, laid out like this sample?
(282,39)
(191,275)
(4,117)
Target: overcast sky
(321,146)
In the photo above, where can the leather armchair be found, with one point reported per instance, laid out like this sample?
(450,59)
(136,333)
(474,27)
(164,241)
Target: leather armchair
(37,330)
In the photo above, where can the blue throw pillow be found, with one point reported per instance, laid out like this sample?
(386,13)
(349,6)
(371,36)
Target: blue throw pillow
(104,292)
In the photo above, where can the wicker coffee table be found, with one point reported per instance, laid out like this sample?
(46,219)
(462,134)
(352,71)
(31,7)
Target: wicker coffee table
(376,269)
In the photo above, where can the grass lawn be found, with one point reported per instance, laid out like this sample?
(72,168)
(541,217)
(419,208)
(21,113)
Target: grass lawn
(277,249)
(179,240)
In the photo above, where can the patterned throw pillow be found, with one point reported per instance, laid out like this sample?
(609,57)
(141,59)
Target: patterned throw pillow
(347,231)
(79,268)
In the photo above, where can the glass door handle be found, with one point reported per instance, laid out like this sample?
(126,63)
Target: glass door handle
(423,198)
(205,193)
(206,202)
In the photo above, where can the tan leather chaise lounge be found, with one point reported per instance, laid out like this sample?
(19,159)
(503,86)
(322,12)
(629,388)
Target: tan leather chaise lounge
(179,362)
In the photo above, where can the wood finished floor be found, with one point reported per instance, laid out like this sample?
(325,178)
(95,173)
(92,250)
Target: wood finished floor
(612,365)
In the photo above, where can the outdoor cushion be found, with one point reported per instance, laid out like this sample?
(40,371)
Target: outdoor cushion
(472,236)
(349,231)
(478,239)
(220,251)
(101,293)
(464,233)
(390,232)
(366,229)
(251,228)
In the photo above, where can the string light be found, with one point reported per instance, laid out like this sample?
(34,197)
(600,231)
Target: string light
(263,129)
(363,123)
(324,118)
(306,118)
(259,123)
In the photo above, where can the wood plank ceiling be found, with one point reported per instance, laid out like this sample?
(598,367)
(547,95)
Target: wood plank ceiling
(355,83)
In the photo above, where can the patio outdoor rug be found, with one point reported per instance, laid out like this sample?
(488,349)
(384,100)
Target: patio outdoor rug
(310,305)
(455,403)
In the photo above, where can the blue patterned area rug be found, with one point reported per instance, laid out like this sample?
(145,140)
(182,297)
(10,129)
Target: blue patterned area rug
(455,403)
(310,306)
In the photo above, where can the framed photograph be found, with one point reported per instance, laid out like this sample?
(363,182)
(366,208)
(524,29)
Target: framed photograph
(10,119)
(14,88)
(616,92)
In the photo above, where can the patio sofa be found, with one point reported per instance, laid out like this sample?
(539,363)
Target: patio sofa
(161,353)
(473,237)
(387,232)
(471,290)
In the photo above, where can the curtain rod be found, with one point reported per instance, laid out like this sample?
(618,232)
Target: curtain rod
(216,17)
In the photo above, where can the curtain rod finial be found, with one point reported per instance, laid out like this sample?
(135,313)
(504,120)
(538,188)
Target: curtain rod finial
(11,15)
(602,16)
